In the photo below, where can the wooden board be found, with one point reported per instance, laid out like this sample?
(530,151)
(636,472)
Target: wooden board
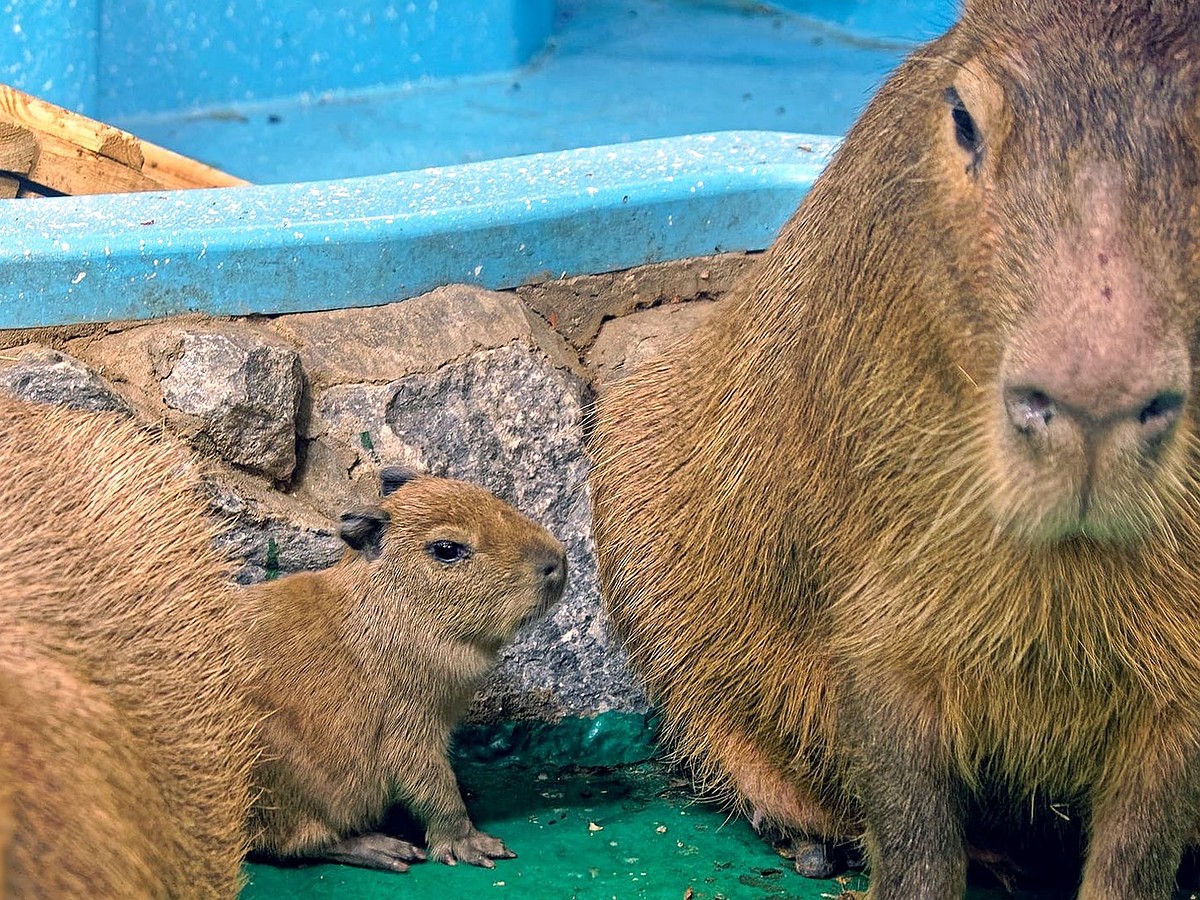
(47,150)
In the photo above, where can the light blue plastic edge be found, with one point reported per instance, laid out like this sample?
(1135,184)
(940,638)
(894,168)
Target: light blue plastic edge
(364,241)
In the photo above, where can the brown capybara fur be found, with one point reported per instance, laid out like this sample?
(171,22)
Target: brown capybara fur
(366,668)
(126,746)
(90,820)
(915,519)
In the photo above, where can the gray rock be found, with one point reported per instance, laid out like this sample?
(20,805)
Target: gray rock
(379,344)
(48,376)
(627,342)
(246,394)
(578,306)
(270,537)
(512,421)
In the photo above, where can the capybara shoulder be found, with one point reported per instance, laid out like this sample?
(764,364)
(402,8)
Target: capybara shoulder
(367,666)
(134,704)
(913,517)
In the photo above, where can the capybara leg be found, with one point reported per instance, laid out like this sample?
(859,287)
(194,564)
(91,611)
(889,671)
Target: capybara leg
(912,805)
(430,790)
(817,858)
(1141,821)
(374,851)
(775,800)
(1000,866)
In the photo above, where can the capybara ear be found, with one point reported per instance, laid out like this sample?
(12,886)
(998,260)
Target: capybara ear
(363,529)
(393,477)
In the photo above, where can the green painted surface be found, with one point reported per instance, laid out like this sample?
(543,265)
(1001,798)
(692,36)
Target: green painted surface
(608,740)
(579,835)
(622,828)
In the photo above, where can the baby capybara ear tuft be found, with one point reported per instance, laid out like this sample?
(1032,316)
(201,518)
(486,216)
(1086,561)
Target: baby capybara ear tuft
(392,478)
(363,529)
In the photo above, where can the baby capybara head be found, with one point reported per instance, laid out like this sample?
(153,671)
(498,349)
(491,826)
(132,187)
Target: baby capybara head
(1070,223)
(466,557)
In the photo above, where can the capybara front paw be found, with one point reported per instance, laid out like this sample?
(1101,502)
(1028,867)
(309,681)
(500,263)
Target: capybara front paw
(816,859)
(374,851)
(469,846)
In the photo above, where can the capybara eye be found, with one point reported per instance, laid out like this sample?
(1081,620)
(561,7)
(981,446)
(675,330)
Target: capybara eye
(966,132)
(448,552)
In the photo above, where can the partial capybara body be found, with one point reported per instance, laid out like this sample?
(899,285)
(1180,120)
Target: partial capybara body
(915,517)
(126,745)
(367,667)
(84,818)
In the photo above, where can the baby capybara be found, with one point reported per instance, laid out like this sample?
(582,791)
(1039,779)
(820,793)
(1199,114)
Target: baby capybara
(367,667)
(915,518)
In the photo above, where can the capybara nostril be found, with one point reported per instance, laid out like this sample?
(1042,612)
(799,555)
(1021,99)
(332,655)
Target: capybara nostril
(551,567)
(1159,416)
(1029,409)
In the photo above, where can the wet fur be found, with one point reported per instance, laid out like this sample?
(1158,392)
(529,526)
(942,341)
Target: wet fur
(806,532)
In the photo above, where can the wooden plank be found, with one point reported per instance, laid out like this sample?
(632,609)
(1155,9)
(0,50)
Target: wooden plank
(71,169)
(72,154)
(174,170)
(18,149)
(46,118)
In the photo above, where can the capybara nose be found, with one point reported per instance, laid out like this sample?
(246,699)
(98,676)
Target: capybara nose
(1034,411)
(551,567)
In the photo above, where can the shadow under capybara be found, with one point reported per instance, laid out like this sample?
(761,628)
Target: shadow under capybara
(366,668)
(126,747)
(914,518)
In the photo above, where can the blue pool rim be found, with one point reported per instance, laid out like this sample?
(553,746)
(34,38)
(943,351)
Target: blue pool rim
(364,241)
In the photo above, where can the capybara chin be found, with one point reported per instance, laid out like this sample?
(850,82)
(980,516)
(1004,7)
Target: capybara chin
(126,740)
(367,667)
(914,518)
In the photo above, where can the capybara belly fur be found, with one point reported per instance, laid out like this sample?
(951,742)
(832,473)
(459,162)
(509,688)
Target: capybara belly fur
(914,518)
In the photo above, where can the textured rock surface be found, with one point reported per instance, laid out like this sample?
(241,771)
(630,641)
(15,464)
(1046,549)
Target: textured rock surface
(246,394)
(579,306)
(381,343)
(351,356)
(41,375)
(463,382)
(627,342)
(270,534)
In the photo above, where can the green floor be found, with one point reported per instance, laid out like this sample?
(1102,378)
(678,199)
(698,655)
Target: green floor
(601,833)
(624,833)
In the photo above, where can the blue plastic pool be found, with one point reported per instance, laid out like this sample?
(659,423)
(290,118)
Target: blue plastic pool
(388,141)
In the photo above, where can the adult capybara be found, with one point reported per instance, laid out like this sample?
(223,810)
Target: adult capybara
(127,742)
(915,519)
(367,667)
(89,821)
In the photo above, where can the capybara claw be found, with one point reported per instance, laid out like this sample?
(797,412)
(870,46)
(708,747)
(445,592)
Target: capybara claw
(475,848)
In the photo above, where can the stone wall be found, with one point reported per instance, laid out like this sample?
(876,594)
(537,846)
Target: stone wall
(294,416)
